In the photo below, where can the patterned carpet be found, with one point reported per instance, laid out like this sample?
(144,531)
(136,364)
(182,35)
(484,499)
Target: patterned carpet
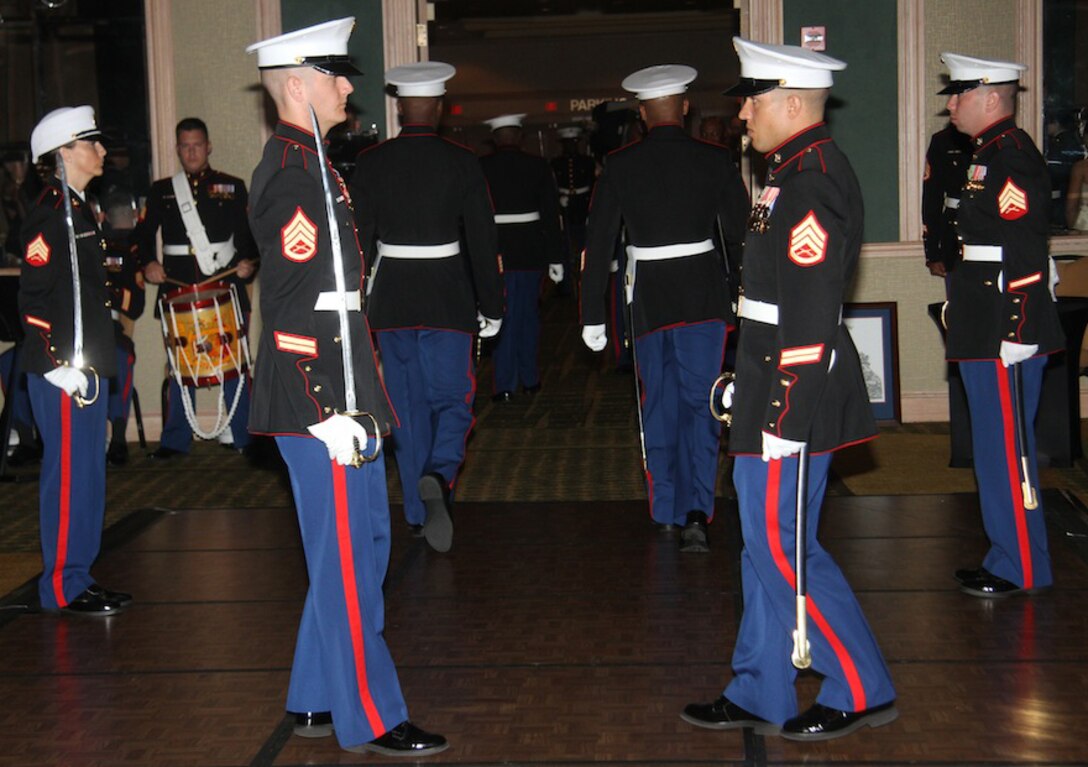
(575,441)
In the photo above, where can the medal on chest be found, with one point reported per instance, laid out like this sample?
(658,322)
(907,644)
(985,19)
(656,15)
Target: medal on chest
(759,221)
(976,178)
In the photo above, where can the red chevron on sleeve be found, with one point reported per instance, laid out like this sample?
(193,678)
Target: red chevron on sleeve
(808,241)
(1012,201)
(37,252)
(299,238)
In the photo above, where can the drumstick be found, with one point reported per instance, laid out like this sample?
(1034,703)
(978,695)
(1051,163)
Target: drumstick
(172,281)
(221,275)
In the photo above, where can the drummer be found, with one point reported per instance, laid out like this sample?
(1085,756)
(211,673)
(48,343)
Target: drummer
(216,216)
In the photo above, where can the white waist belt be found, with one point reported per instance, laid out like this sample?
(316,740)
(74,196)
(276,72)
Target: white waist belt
(517,218)
(385,250)
(951,202)
(758,311)
(664,252)
(115,314)
(186,250)
(987,253)
(329,301)
(574,191)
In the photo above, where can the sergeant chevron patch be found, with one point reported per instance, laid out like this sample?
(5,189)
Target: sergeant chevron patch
(1012,202)
(37,251)
(808,241)
(299,238)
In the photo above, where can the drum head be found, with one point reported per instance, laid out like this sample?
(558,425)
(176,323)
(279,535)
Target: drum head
(197,297)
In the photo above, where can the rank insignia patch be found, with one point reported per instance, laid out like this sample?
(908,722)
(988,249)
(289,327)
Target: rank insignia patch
(808,241)
(1012,202)
(299,238)
(37,252)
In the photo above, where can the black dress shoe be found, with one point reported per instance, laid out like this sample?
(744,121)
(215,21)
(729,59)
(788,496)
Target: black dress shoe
(823,723)
(416,530)
(24,455)
(117,455)
(724,714)
(989,586)
(96,601)
(164,453)
(119,597)
(664,527)
(693,536)
(313,724)
(438,529)
(502,396)
(404,740)
(969,574)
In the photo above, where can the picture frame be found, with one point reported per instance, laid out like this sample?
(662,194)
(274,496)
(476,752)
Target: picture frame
(874,328)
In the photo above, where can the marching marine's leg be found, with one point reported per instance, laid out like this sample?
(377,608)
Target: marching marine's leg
(412,439)
(657,371)
(700,350)
(343,515)
(238,424)
(450,382)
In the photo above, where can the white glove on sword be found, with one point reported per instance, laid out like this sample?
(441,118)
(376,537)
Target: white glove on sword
(343,436)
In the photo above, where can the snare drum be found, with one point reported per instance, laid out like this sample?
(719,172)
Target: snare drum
(203,332)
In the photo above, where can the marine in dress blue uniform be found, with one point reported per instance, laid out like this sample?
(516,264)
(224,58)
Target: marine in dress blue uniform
(343,676)
(674,194)
(527,216)
(1001,316)
(429,292)
(65,381)
(575,174)
(221,202)
(127,295)
(945,170)
(798,381)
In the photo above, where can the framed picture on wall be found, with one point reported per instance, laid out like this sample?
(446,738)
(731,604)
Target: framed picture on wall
(875,330)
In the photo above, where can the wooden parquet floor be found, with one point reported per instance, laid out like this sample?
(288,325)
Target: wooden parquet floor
(560,630)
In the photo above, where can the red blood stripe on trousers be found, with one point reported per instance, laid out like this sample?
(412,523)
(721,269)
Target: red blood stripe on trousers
(65,498)
(351,596)
(1008,428)
(774,541)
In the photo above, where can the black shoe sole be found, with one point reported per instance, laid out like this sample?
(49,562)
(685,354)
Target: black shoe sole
(760,728)
(370,748)
(438,529)
(966,589)
(876,719)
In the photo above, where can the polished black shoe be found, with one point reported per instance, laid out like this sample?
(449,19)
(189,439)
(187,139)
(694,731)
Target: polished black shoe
(664,527)
(117,455)
(95,601)
(438,529)
(24,455)
(164,453)
(313,724)
(693,536)
(119,597)
(969,574)
(502,396)
(531,389)
(416,530)
(989,586)
(404,740)
(724,714)
(823,723)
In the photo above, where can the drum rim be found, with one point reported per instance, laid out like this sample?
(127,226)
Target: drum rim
(170,296)
(201,382)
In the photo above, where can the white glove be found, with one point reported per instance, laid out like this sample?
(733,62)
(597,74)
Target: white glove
(489,328)
(727,396)
(1011,353)
(555,273)
(341,435)
(69,379)
(776,448)
(594,337)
